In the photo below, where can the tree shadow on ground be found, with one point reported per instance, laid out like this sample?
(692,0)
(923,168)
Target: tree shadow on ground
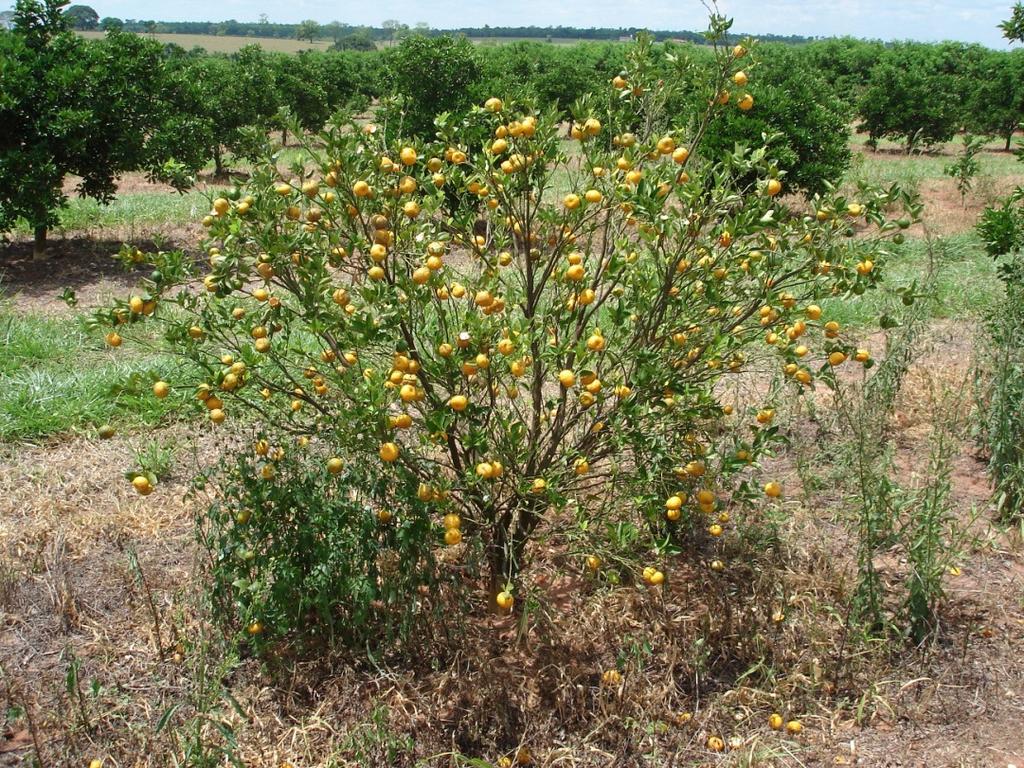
(76,263)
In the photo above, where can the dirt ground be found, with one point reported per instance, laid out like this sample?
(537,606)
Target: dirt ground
(96,579)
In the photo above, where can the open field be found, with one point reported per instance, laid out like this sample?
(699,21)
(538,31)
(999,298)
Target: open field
(108,651)
(232,43)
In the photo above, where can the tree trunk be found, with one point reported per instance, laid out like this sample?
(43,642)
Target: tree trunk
(39,244)
(284,137)
(509,534)
(1009,138)
(218,161)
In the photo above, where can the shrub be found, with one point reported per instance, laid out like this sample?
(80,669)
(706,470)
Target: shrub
(1001,370)
(480,376)
(303,551)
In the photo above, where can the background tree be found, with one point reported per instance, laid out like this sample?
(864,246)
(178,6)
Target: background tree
(71,107)
(808,121)
(334,30)
(234,93)
(360,40)
(910,97)
(299,82)
(82,17)
(432,75)
(308,30)
(844,64)
(549,74)
(111,24)
(393,28)
(995,101)
(1013,28)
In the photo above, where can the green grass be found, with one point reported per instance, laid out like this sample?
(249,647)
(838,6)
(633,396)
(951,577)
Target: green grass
(891,165)
(134,211)
(57,378)
(966,283)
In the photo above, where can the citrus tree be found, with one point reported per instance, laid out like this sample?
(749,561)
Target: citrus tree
(807,119)
(73,107)
(911,97)
(430,75)
(462,380)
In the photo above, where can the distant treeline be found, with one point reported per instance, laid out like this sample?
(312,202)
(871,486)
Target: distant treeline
(336,30)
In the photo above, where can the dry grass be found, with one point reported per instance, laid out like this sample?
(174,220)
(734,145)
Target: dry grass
(232,43)
(709,645)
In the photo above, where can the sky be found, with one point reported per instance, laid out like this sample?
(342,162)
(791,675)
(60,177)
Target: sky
(965,20)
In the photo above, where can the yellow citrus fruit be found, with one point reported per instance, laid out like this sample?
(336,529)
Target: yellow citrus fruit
(452,536)
(389,452)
